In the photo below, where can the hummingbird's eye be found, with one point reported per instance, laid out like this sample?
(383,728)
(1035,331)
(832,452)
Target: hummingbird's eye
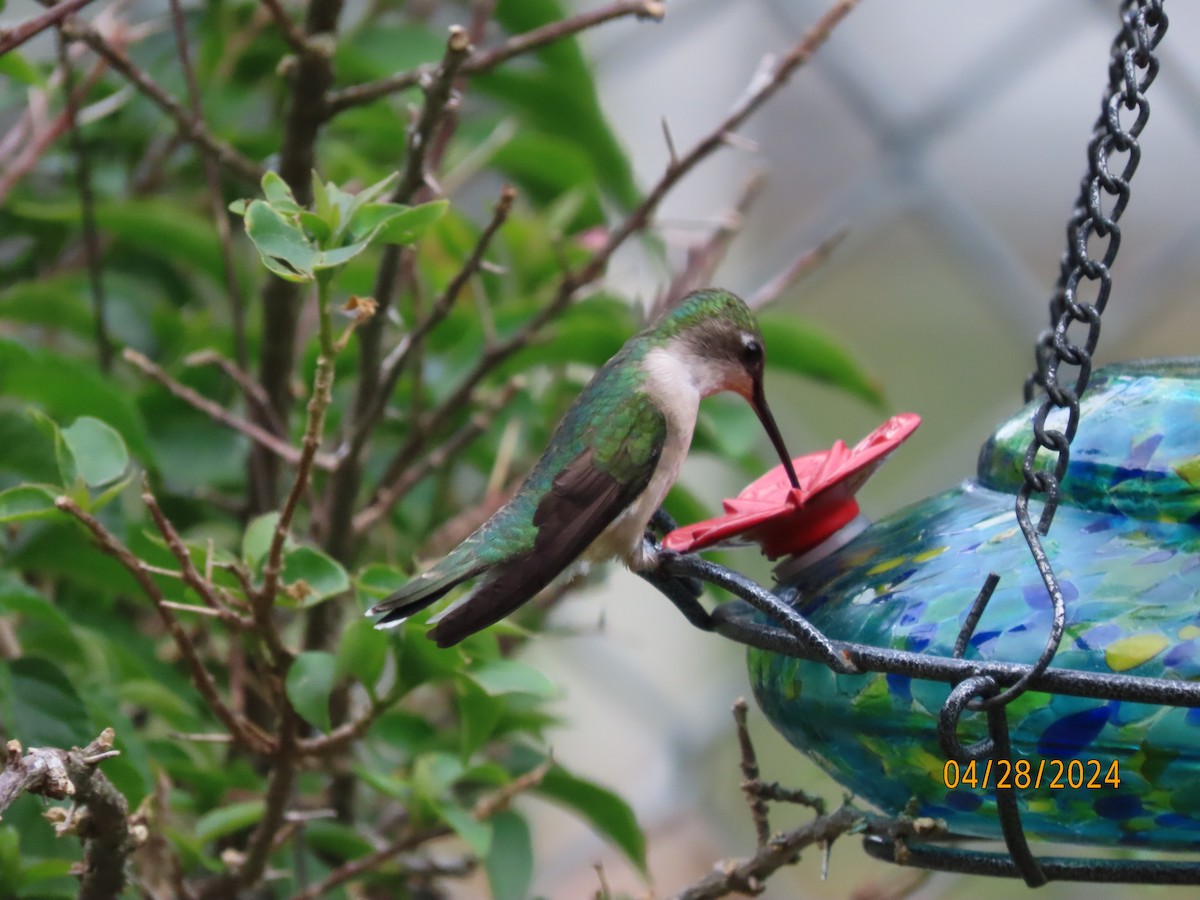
(752,352)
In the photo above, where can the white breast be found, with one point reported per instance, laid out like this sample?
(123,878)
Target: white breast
(670,383)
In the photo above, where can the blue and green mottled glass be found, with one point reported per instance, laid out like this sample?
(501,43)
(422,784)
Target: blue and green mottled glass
(1125,544)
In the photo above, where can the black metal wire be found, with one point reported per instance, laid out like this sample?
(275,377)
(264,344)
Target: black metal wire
(1132,69)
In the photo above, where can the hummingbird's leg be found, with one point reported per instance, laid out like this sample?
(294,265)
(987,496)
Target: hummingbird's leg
(662,522)
(681,590)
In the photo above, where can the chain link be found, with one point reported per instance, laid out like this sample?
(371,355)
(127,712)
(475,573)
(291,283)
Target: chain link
(1093,239)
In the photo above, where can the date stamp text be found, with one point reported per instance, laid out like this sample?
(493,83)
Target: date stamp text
(1050,773)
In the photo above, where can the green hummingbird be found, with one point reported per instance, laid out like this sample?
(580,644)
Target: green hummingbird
(608,466)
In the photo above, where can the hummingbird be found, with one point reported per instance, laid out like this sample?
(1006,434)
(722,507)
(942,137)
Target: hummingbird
(607,468)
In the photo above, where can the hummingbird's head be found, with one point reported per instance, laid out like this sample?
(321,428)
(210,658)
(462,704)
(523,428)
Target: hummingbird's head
(713,334)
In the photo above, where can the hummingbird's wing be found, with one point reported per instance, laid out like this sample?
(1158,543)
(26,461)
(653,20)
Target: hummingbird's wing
(584,498)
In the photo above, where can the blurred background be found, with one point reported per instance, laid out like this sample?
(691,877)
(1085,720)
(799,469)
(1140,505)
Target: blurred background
(949,139)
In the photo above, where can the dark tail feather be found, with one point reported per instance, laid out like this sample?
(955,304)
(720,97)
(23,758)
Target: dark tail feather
(416,595)
(507,587)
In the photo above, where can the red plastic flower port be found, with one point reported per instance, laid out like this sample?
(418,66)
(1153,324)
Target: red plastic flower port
(785,520)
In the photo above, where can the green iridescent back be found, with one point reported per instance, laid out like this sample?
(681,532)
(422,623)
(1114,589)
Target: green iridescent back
(1125,544)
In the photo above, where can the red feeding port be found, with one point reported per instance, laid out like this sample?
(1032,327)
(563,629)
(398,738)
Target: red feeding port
(785,520)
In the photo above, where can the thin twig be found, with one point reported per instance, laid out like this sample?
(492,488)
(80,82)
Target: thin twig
(314,428)
(208,593)
(746,876)
(485,808)
(242,731)
(11,38)
(21,162)
(212,177)
(242,378)
(438,90)
(704,258)
(758,806)
(483,60)
(256,433)
(408,476)
(370,396)
(191,130)
(87,206)
(347,733)
(397,360)
(794,271)
(290,30)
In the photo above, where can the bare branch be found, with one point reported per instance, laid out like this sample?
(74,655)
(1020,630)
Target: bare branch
(483,60)
(408,476)
(105,832)
(11,38)
(212,177)
(243,731)
(317,405)
(703,259)
(438,89)
(290,30)
(797,269)
(396,361)
(207,592)
(192,131)
(485,808)
(22,161)
(243,379)
(746,876)
(256,433)
(87,207)
(758,806)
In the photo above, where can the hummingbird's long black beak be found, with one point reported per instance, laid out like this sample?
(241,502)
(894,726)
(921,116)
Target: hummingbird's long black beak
(758,400)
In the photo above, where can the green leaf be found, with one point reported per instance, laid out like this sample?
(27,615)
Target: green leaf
(605,811)
(283,246)
(377,580)
(479,712)
(39,705)
(226,820)
(342,842)
(476,834)
(66,389)
(362,652)
(100,454)
(433,774)
(26,449)
(27,501)
(15,66)
(411,223)
(278,194)
(162,228)
(309,683)
(10,854)
(507,676)
(796,346)
(256,540)
(322,576)
(509,861)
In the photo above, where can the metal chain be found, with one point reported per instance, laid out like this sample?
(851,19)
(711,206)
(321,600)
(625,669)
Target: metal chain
(1132,69)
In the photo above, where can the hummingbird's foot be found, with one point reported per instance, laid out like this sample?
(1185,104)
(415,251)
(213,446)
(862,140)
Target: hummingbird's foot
(682,590)
(661,524)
